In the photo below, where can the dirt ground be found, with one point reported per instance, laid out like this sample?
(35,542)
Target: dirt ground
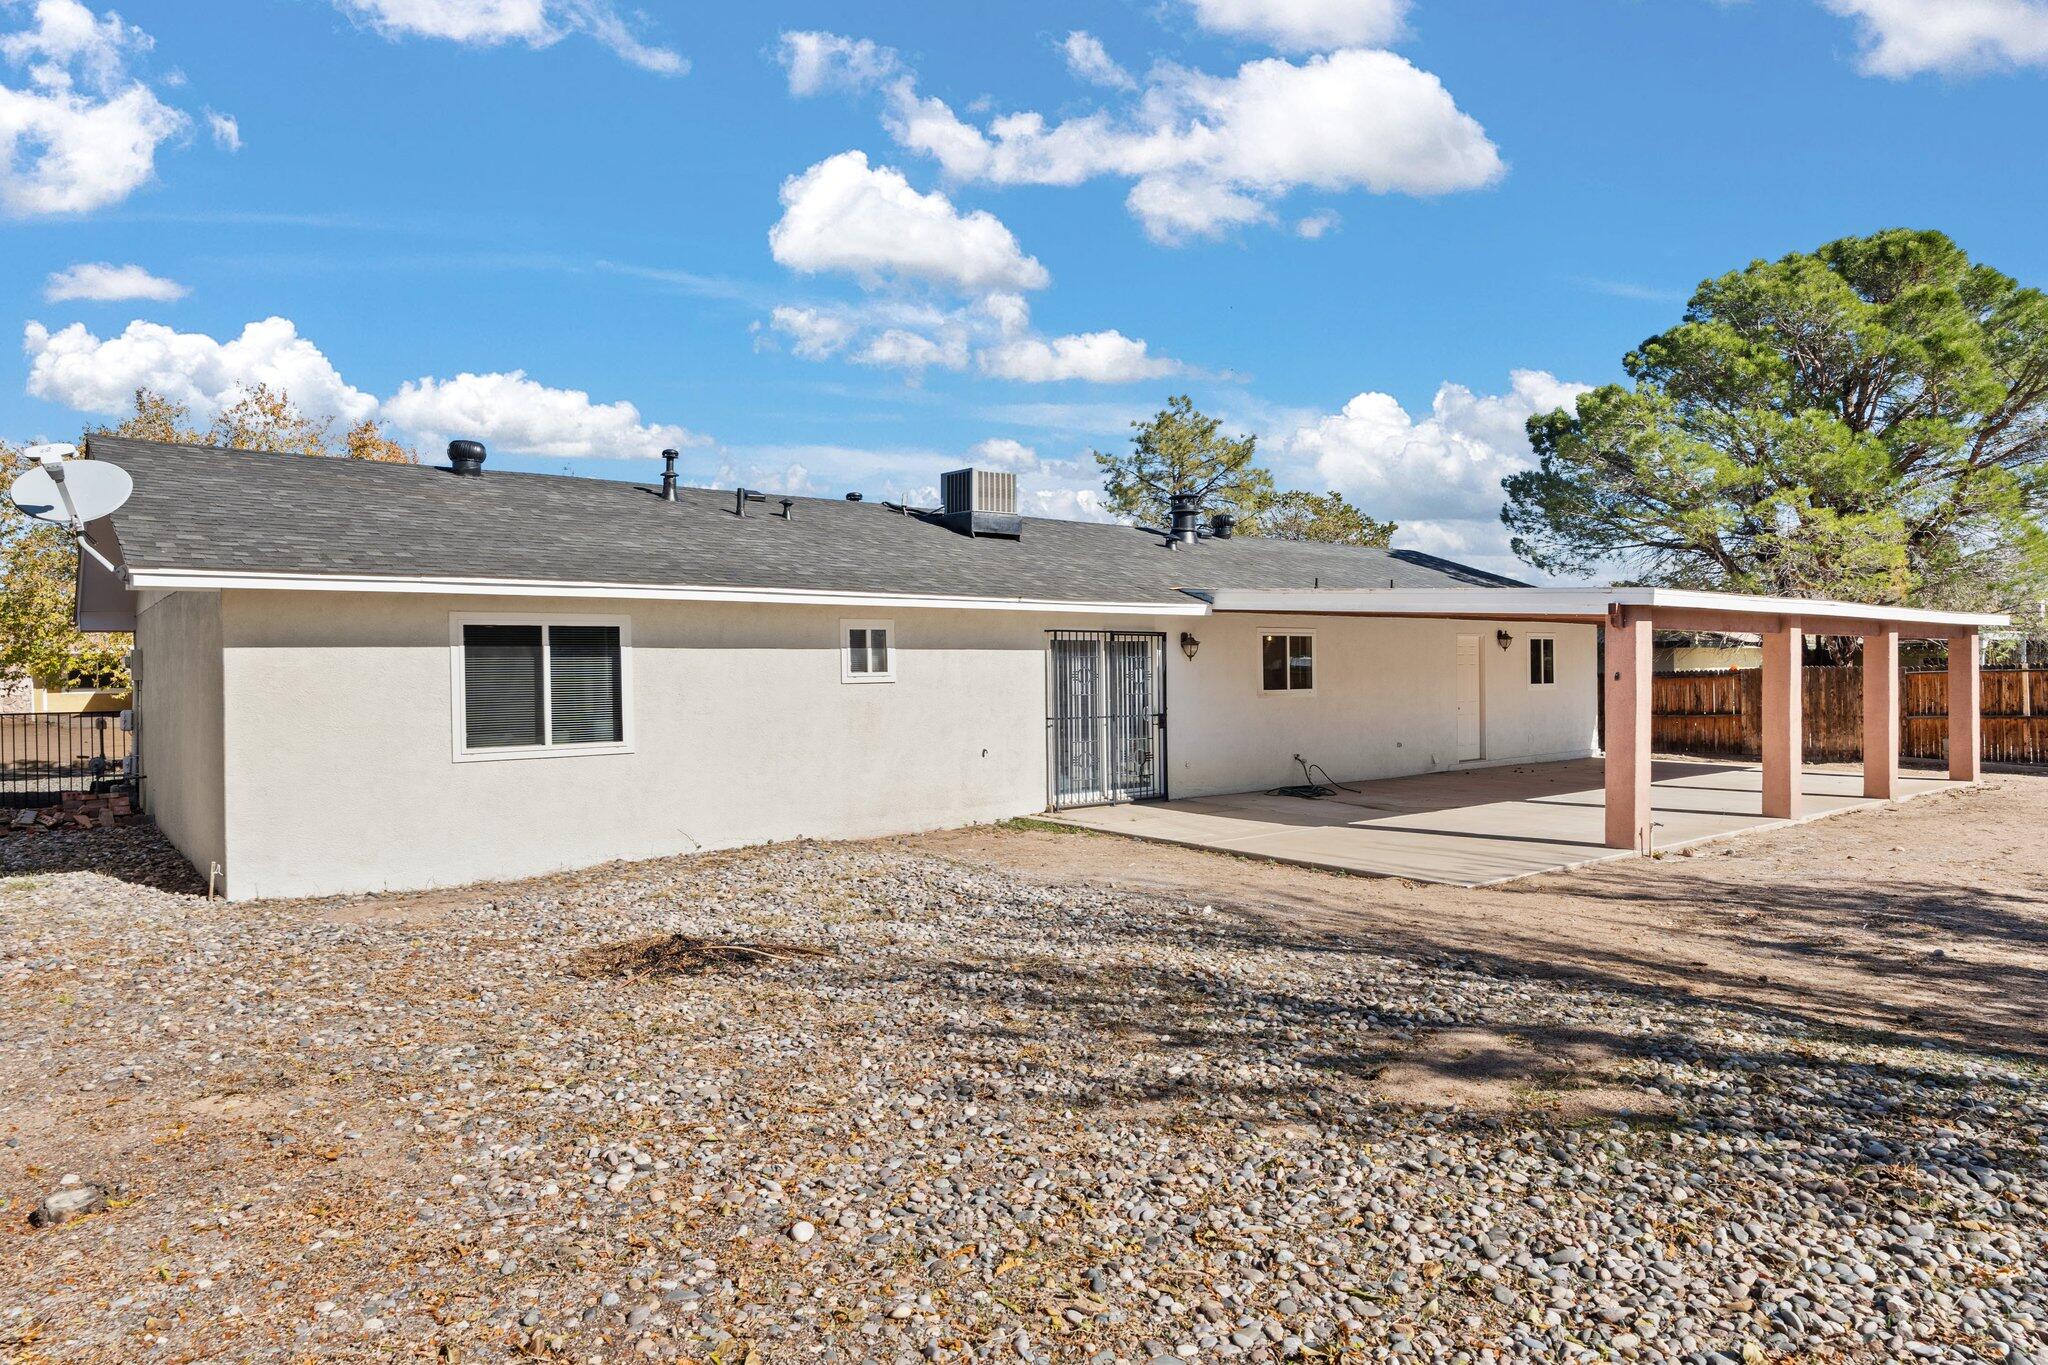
(1927,920)
(1027,1094)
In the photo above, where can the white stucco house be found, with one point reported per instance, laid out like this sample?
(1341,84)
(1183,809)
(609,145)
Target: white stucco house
(362,677)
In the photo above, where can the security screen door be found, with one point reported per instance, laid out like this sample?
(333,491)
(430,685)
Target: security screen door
(1105,716)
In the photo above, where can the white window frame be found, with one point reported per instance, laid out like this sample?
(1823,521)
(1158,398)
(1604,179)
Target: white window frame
(1526,669)
(465,754)
(1315,663)
(846,673)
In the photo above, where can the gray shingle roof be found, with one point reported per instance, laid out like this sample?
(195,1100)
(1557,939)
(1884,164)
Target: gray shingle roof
(197,507)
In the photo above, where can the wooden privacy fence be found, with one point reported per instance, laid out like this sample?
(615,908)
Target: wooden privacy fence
(1721,713)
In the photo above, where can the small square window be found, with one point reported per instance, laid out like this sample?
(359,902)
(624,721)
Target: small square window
(864,652)
(1542,661)
(1287,663)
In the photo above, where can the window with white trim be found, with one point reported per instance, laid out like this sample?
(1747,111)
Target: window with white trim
(1287,663)
(530,686)
(867,651)
(1542,661)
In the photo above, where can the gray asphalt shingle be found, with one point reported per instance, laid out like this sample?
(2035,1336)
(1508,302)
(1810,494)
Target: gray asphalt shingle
(198,507)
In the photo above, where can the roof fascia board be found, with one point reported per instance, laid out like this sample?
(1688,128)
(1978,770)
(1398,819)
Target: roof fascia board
(1480,603)
(1569,603)
(1693,599)
(200,580)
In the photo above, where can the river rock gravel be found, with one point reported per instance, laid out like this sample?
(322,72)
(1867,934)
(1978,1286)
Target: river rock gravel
(995,1121)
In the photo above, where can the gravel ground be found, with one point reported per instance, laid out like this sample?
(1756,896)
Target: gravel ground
(997,1120)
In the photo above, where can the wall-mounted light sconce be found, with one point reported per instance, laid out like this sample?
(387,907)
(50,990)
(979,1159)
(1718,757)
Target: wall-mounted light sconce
(1189,644)
(1503,639)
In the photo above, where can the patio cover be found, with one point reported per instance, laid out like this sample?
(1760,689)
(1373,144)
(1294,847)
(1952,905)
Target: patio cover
(1630,615)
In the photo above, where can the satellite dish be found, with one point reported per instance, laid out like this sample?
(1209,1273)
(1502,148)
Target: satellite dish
(70,493)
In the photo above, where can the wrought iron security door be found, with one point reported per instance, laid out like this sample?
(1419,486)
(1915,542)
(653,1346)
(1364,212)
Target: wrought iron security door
(1105,716)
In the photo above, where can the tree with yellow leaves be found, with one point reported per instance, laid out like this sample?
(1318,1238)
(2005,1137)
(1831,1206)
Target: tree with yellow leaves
(263,418)
(38,637)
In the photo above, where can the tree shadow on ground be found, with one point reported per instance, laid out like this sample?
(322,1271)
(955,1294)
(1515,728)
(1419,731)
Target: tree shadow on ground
(1255,1053)
(133,853)
(1857,954)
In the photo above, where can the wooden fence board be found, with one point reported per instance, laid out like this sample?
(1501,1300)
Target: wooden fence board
(1718,713)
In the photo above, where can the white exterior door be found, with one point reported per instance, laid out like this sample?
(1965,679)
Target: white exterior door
(1471,720)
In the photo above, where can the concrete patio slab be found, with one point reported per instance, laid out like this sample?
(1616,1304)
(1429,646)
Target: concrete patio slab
(1481,825)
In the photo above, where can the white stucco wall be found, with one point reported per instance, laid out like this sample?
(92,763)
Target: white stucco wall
(1383,704)
(340,774)
(178,699)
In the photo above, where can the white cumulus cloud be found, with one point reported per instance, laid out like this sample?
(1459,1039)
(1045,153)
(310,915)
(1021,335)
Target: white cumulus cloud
(101,282)
(1068,504)
(1908,37)
(1316,225)
(1090,61)
(899,348)
(537,23)
(79,133)
(814,333)
(83,371)
(1438,476)
(994,331)
(1002,452)
(519,415)
(1207,153)
(1304,25)
(1096,357)
(516,414)
(227,133)
(845,215)
(822,61)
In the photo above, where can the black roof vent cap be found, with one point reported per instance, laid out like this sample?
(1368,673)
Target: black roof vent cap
(466,457)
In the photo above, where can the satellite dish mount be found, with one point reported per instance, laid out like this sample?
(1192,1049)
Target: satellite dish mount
(71,494)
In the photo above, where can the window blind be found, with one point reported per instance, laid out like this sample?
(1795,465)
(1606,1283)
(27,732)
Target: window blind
(501,686)
(583,685)
(1301,662)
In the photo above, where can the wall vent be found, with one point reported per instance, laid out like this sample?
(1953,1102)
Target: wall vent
(980,502)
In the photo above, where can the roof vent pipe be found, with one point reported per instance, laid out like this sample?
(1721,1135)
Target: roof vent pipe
(668,476)
(1187,517)
(1222,526)
(466,457)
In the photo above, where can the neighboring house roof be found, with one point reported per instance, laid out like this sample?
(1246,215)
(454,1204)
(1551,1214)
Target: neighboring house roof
(200,508)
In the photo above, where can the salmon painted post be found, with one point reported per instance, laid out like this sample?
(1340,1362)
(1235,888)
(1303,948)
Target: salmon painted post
(1881,714)
(1783,719)
(1965,708)
(1627,681)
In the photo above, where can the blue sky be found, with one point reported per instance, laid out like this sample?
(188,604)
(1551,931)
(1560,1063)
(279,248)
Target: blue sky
(847,246)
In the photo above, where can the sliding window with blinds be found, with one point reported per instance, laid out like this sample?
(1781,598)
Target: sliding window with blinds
(540,687)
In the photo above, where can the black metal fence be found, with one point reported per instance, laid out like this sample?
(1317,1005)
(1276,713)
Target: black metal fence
(44,756)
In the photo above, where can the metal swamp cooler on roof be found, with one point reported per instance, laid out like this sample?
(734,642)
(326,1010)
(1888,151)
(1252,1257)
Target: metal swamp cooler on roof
(981,502)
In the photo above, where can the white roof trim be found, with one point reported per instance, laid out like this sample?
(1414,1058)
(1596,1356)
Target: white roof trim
(213,580)
(1567,602)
